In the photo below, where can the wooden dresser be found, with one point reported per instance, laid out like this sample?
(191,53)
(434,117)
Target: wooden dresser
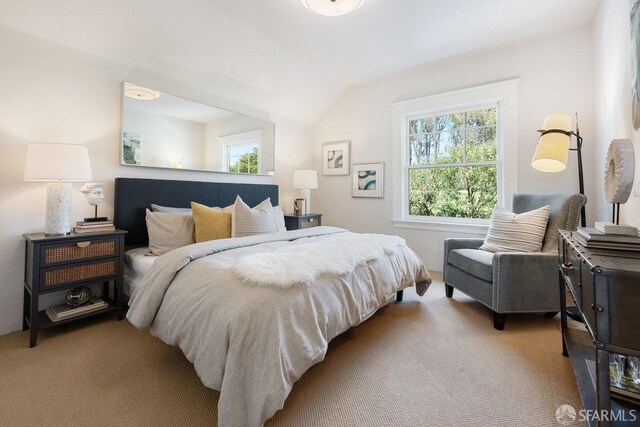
(605,286)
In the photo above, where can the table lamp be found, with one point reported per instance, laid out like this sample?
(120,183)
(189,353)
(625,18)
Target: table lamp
(306,180)
(57,163)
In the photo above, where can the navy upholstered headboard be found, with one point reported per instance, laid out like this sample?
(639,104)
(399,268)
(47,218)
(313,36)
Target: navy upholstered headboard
(134,195)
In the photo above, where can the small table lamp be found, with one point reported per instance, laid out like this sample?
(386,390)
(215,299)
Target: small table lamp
(306,180)
(57,163)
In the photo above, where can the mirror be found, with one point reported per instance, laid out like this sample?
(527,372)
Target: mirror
(164,131)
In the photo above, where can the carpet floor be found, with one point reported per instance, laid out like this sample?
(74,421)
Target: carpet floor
(428,361)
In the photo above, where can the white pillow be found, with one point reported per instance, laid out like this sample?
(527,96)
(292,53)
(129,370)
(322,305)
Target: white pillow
(510,232)
(248,222)
(169,231)
(279,217)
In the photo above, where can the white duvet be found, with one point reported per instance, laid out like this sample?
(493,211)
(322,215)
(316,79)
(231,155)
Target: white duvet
(253,342)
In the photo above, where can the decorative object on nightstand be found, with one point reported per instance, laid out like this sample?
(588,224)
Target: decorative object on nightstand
(305,180)
(94,193)
(78,296)
(57,163)
(299,207)
(60,263)
(368,180)
(619,171)
(297,222)
(552,151)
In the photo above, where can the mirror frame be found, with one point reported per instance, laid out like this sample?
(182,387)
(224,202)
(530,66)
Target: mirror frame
(121,136)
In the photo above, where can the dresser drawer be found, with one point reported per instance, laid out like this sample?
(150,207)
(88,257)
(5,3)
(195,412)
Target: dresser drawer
(78,250)
(75,273)
(308,222)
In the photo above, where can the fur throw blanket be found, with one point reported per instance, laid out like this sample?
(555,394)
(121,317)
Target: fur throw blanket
(303,263)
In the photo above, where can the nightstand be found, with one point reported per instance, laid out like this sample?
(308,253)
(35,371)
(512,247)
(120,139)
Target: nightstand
(61,263)
(296,222)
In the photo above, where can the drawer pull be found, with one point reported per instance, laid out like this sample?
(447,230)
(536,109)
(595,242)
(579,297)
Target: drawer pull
(567,267)
(83,244)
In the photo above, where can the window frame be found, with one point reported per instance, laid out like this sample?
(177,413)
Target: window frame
(243,138)
(502,95)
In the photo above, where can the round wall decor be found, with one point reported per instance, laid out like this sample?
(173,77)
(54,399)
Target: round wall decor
(619,170)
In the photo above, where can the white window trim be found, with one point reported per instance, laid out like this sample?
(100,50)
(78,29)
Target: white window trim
(503,93)
(239,139)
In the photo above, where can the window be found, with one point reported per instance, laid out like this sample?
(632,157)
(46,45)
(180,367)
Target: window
(241,152)
(455,157)
(452,170)
(243,158)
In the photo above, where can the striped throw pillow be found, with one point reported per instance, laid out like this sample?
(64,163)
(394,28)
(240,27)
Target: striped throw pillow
(510,232)
(249,222)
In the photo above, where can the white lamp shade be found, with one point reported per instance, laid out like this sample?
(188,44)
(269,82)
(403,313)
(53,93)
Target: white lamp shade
(305,179)
(552,151)
(558,121)
(332,7)
(57,162)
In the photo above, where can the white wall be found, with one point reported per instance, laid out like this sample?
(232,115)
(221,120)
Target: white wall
(166,140)
(555,76)
(52,93)
(612,99)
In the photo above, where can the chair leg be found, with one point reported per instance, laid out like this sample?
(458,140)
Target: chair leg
(399,295)
(550,314)
(498,320)
(448,290)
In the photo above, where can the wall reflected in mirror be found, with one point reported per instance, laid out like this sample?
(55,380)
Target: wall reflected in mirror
(165,131)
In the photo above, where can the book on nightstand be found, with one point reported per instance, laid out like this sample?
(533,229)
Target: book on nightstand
(94,226)
(64,311)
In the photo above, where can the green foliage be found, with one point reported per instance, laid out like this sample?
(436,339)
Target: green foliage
(453,191)
(247,163)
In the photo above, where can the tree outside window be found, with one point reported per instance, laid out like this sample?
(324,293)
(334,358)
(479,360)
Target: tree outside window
(452,167)
(243,158)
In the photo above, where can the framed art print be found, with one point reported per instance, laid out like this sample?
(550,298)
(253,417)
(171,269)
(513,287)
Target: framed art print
(335,158)
(368,180)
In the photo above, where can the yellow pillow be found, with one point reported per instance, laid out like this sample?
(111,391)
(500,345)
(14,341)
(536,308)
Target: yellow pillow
(211,223)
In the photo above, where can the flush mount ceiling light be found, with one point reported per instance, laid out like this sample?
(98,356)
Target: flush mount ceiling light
(140,93)
(332,7)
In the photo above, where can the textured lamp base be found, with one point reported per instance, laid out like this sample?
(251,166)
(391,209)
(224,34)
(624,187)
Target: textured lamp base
(58,209)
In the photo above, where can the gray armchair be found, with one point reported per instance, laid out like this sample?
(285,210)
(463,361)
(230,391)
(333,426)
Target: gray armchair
(514,282)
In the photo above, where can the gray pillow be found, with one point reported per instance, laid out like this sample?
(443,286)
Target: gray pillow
(510,232)
(166,209)
(169,231)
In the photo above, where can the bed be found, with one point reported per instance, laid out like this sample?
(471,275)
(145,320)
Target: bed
(254,313)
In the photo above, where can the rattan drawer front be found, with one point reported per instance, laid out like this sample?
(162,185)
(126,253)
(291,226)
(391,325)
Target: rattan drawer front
(77,273)
(78,251)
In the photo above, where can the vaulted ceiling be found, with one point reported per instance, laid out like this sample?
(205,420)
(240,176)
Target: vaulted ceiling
(278,56)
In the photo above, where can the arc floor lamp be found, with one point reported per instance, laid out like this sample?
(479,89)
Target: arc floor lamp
(552,151)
